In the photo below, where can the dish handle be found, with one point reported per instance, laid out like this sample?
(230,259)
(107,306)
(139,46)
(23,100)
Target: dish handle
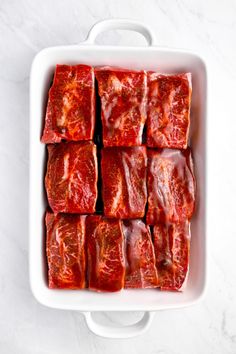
(119,24)
(119,331)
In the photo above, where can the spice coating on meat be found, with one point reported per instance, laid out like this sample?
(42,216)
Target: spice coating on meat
(71,178)
(139,253)
(171,244)
(124,181)
(105,247)
(70,111)
(123,96)
(65,251)
(171,186)
(168,117)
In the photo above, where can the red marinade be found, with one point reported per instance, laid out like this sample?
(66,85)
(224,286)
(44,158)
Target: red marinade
(70,111)
(65,251)
(169,100)
(105,248)
(171,186)
(123,96)
(140,258)
(171,243)
(124,181)
(71,178)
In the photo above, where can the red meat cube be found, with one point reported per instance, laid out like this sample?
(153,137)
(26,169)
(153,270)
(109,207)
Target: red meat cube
(171,186)
(106,264)
(169,99)
(70,111)
(124,181)
(66,251)
(171,244)
(140,258)
(123,102)
(71,178)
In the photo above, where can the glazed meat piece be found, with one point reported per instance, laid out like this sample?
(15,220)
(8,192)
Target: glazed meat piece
(105,247)
(65,251)
(71,178)
(139,253)
(171,186)
(124,181)
(123,103)
(70,111)
(171,243)
(169,100)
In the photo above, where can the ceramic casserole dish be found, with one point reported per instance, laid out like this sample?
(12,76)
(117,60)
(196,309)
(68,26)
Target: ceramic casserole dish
(150,57)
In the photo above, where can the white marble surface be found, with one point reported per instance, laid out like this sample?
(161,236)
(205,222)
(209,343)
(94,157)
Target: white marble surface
(207,27)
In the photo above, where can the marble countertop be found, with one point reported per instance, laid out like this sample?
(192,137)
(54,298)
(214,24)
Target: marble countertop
(206,27)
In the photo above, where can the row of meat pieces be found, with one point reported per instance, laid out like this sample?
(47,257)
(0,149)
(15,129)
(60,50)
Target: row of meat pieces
(129,99)
(130,176)
(108,254)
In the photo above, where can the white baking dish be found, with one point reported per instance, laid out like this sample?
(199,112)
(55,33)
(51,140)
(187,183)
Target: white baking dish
(150,57)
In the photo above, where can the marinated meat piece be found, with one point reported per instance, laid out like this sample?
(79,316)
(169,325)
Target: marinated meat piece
(70,111)
(123,102)
(105,247)
(171,186)
(140,258)
(169,100)
(124,181)
(66,251)
(171,243)
(71,179)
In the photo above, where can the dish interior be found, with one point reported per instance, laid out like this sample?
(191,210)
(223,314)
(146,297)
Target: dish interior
(148,58)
